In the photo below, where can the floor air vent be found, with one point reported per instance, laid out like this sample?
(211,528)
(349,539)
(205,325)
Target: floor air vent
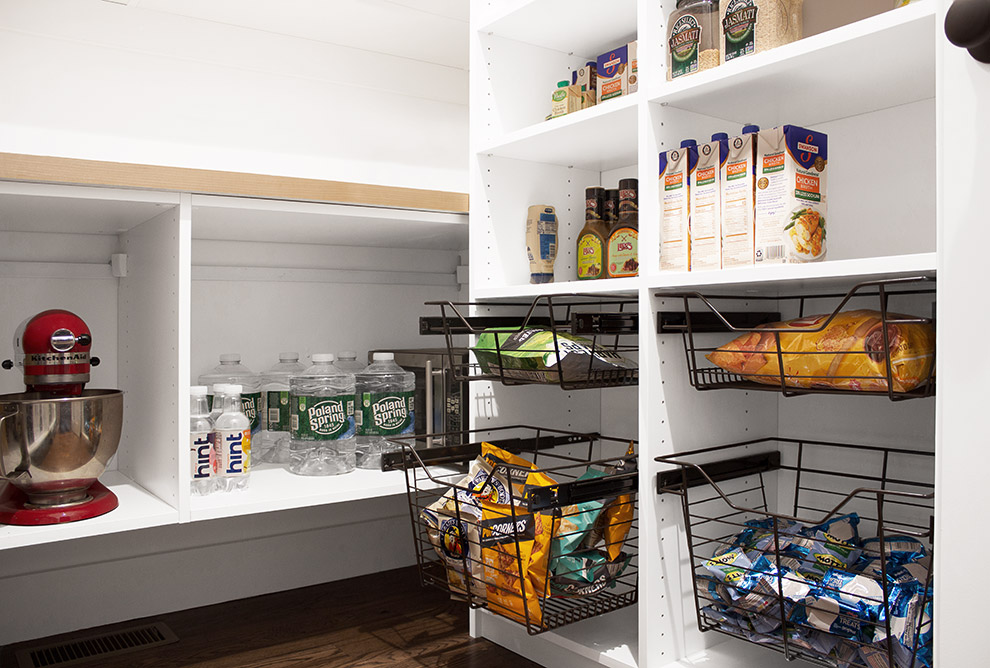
(96,647)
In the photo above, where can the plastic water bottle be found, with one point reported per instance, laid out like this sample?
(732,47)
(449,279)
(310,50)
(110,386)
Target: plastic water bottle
(275,410)
(321,401)
(385,394)
(202,455)
(231,370)
(347,362)
(233,433)
(216,402)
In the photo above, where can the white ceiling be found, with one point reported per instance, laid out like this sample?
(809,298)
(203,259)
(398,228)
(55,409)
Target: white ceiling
(434,31)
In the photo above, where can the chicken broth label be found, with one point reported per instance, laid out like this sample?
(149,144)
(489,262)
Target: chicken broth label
(738,202)
(676,169)
(739,19)
(791,195)
(385,414)
(706,204)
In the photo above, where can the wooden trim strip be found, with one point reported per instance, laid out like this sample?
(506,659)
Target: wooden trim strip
(48,169)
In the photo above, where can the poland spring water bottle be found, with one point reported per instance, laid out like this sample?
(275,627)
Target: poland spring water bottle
(275,410)
(321,401)
(231,370)
(347,362)
(233,434)
(201,443)
(385,394)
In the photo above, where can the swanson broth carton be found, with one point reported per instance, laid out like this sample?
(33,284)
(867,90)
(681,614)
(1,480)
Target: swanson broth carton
(739,200)
(706,204)
(676,169)
(791,195)
(616,72)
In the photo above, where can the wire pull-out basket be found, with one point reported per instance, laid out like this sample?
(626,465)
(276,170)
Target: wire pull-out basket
(536,525)
(820,551)
(574,341)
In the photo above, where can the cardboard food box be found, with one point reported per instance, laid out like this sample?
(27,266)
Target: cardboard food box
(587,80)
(617,72)
(676,169)
(566,100)
(791,195)
(738,202)
(706,206)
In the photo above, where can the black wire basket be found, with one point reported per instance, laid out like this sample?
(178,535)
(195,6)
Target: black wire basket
(701,316)
(544,544)
(585,340)
(784,538)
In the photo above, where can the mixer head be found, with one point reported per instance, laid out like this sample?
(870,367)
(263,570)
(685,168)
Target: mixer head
(52,348)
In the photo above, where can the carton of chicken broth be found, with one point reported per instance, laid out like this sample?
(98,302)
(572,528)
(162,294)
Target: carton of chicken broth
(676,169)
(791,195)
(706,206)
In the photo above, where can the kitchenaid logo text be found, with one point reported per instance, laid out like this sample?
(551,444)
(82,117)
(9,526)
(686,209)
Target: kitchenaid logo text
(48,359)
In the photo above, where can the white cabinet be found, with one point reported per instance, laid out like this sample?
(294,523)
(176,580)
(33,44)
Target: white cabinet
(901,108)
(207,275)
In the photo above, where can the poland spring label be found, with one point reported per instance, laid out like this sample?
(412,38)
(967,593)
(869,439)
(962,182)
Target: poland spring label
(684,44)
(386,414)
(322,418)
(277,416)
(251,405)
(739,25)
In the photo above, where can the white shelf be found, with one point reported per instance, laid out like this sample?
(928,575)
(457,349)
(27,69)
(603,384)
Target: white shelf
(616,287)
(877,63)
(601,138)
(735,654)
(243,219)
(273,488)
(35,207)
(800,276)
(608,640)
(585,27)
(138,509)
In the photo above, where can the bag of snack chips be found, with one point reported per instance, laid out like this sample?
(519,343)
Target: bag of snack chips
(848,354)
(521,472)
(514,547)
(530,355)
(585,573)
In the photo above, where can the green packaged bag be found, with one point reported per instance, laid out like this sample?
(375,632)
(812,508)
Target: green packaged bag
(529,355)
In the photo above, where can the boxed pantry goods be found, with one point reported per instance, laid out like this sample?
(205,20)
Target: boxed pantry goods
(739,200)
(617,72)
(706,204)
(791,195)
(676,169)
(535,535)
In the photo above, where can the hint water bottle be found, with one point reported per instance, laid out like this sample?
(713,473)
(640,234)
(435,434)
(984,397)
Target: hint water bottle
(347,362)
(385,394)
(216,401)
(321,403)
(233,434)
(231,370)
(275,410)
(201,443)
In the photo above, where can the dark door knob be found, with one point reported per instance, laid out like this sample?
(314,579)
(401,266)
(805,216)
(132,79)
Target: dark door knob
(967,25)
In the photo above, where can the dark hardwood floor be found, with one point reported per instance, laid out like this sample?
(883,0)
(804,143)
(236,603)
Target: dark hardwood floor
(375,621)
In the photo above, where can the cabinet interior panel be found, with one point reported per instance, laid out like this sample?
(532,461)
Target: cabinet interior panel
(580,26)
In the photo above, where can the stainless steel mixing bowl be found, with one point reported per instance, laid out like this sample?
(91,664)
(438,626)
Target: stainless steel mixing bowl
(54,449)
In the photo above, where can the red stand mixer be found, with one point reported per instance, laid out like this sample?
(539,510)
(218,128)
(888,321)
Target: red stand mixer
(57,437)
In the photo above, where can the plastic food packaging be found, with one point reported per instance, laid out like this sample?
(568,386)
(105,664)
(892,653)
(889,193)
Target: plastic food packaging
(530,355)
(848,354)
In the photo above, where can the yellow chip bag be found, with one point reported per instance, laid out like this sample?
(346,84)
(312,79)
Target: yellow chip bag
(521,472)
(514,548)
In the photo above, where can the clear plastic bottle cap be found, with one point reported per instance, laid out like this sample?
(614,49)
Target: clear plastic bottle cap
(230,357)
(383,357)
(233,389)
(347,355)
(750,129)
(288,357)
(322,357)
(198,390)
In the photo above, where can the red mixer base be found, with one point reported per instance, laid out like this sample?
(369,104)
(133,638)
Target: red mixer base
(13,508)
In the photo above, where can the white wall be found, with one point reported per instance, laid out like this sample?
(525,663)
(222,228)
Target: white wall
(98,80)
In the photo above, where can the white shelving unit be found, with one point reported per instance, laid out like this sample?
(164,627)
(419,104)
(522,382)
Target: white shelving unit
(873,80)
(207,275)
